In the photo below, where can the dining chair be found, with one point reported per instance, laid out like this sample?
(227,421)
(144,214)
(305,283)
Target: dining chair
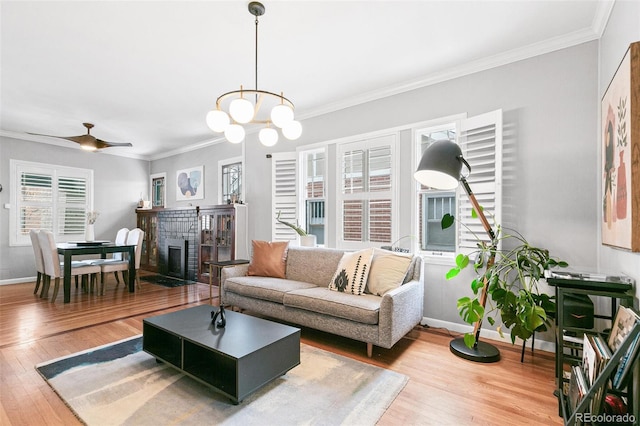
(37,255)
(121,239)
(134,237)
(53,268)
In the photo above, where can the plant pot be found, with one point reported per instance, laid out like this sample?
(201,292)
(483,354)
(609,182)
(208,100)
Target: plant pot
(308,240)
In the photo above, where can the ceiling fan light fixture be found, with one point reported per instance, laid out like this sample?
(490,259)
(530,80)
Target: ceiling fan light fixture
(88,147)
(267,108)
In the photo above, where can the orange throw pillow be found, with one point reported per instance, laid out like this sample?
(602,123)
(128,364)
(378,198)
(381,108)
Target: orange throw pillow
(269,259)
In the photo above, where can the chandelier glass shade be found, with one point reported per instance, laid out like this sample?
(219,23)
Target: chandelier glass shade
(253,106)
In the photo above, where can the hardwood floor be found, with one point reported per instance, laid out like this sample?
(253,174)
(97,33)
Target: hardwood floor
(442,390)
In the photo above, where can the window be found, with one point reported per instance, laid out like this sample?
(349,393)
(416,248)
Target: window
(314,193)
(158,189)
(231,181)
(48,197)
(480,139)
(365,198)
(434,204)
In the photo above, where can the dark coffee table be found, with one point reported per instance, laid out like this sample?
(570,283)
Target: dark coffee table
(235,361)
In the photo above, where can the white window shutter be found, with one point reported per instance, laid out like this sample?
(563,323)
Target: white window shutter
(284,171)
(481,141)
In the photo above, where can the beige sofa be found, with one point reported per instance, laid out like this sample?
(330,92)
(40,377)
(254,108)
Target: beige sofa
(303,298)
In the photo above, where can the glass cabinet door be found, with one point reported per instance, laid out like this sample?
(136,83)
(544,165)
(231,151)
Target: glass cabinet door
(224,235)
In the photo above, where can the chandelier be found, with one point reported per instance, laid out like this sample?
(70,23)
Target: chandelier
(241,110)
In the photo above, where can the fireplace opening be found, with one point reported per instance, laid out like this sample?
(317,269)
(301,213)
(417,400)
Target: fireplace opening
(177,251)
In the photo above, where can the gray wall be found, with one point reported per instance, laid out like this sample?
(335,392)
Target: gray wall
(118,182)
(550,177)
(207,157)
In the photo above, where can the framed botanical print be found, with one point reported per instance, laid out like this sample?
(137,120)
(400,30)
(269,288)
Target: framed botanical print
(620,118)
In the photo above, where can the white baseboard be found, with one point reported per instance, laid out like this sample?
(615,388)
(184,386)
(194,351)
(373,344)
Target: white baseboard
(18,280)
(542,345)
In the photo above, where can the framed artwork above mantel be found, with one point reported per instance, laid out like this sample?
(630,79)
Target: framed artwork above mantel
(620,118)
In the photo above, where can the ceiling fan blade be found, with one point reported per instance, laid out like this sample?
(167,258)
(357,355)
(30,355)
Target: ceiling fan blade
(104,144)
(87,141)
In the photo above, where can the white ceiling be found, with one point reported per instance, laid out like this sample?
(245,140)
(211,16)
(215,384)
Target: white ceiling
(147,72)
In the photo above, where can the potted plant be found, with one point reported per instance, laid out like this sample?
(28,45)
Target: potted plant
(308,240)
(512,275)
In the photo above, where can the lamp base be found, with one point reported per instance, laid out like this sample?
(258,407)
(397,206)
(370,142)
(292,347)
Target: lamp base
(482,352)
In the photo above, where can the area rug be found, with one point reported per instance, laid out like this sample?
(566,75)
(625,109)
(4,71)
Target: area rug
(119,384)
(165,281)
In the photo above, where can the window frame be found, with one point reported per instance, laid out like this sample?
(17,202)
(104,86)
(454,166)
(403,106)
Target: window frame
(466,128)
(56,171)
(365,143)
(225,163)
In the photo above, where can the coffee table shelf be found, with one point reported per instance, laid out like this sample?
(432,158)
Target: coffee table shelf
(235,361)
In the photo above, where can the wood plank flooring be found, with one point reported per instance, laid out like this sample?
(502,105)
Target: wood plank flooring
(442,390)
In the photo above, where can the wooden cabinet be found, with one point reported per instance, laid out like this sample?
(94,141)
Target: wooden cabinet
(148,222)
(222,235)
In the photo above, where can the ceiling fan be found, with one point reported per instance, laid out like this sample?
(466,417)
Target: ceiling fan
(88,142)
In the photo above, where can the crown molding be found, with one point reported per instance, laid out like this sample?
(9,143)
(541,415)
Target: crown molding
(536,49)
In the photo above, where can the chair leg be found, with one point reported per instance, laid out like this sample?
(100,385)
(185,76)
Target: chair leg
(137,278)
(102,283)
(37,282)
(56,287)
(115,274)
(44,293)
(76,281)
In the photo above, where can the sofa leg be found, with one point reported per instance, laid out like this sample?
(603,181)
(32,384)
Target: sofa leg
(369,350)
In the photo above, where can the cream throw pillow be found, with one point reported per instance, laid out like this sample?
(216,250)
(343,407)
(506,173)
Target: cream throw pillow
(353,270)
(388,270)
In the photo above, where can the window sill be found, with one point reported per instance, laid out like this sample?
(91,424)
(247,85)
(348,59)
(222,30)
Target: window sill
(439,258)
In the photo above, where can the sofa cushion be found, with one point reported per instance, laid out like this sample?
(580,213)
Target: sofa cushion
(313,265)
(267,288)
(388,271)
(363,309)
(268,259)
(353,270)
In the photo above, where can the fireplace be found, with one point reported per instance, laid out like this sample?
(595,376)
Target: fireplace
(177,255)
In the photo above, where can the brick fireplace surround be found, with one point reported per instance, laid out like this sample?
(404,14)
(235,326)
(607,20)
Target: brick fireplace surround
(176,225)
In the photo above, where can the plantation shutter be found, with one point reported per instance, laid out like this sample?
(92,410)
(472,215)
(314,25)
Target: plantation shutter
(284,171)
(36,202)
(366,194)
(481,142)
(48,197)
(72,205)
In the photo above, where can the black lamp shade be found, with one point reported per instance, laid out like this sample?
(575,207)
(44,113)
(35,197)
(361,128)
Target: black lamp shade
(440,165)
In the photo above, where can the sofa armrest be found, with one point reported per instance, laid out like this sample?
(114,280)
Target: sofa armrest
(400,310)
(230,272)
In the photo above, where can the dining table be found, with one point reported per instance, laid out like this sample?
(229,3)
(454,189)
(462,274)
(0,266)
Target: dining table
(81,248)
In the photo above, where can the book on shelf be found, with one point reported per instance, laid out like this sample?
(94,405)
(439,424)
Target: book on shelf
(595,356)
(626,319)
(577,387)
(622,325)
(626,364)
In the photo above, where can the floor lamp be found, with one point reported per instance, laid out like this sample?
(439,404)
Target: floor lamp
(440,168)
